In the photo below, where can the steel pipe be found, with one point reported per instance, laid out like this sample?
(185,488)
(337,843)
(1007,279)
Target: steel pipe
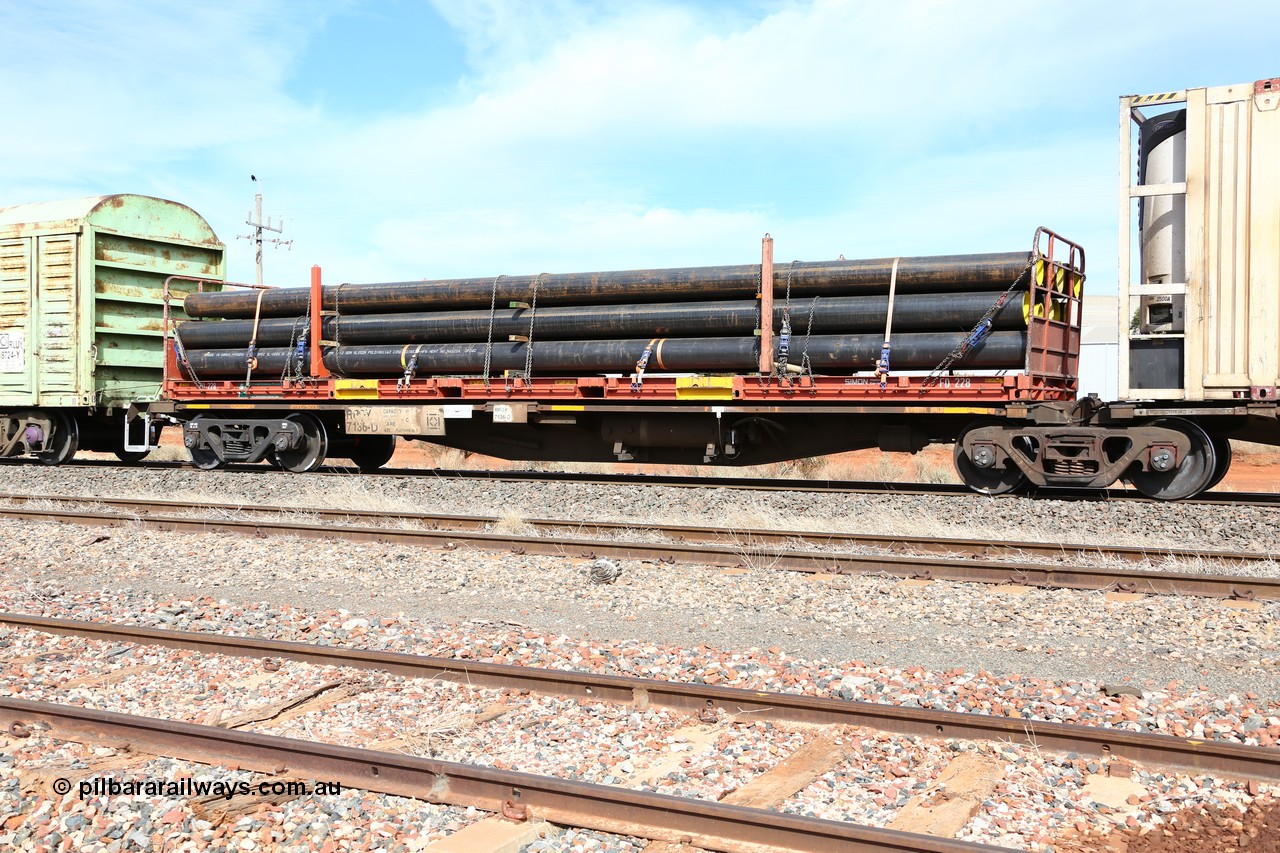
(954,312)
(827,354)
(941,273)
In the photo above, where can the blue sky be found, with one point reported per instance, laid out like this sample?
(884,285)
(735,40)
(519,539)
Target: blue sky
(409,139)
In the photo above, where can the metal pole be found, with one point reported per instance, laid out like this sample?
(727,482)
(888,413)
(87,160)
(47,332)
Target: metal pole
(766,305)
(256,222)
(257,232)
(318,367)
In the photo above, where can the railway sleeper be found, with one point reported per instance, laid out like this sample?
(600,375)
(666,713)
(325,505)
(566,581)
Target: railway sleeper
(1167,459)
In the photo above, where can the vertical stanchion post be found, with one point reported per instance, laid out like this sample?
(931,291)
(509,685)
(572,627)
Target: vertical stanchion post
(766,305)
(317,325)
(168,338)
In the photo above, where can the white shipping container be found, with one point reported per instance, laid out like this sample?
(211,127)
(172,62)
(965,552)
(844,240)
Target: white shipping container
(1227,248)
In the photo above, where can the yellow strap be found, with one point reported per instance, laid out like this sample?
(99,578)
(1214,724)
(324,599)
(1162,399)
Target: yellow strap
(257,315)
(893,287)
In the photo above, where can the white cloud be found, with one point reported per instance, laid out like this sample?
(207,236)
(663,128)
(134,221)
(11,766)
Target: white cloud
(117,90)
(569,159)
(606,135)
(500,34)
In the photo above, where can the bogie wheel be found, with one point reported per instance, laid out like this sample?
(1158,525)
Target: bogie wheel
(1222,447)
(310,452)
(371,452)
(63,443)
(1191,477)
(986,481)
(205,458)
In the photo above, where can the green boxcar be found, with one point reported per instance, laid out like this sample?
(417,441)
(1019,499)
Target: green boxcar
(81,307)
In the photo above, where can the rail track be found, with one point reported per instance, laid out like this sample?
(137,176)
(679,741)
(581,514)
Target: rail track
(933,559)
(1254,499)
(914,545)
(516,795)
(705,700)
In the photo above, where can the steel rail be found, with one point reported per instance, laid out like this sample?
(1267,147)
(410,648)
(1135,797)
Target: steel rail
(706,823)
(751,537)
(1258,499)
(704,699)
(1247,587)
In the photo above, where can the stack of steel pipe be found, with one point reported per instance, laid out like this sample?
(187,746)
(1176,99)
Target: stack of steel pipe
(688,319)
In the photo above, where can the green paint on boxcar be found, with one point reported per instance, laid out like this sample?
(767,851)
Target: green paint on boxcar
(81,296)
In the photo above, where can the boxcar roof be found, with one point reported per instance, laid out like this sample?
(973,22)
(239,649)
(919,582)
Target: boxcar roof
(125,213)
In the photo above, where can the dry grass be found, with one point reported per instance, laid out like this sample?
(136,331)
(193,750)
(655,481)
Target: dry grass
(1252,448)
(886,467)
(450,458)
(163,453)
(512,523)
(432,729)
(353,493)
(754,553)
(169,454)
(882,470)
(929,471)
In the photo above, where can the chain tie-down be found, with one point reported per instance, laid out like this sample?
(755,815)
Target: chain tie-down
(410,366)
(637,378)
(488,344)
(882,364)
(781,366)
(528,341)
(977,334)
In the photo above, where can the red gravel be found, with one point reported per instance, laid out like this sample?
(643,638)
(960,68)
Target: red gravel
(1193,830)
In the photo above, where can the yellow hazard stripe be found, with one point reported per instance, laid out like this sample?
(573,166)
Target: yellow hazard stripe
(1160,98)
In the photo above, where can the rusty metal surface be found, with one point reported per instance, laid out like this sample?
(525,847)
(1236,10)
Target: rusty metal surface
(708,824)
(845,314)
(740,355)
(1226,758)
(732,553)
(943,273)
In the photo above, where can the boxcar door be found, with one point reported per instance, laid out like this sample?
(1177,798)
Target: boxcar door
(58,356)
(16,323)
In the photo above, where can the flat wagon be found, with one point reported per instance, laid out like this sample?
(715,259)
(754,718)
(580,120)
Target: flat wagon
(108,301)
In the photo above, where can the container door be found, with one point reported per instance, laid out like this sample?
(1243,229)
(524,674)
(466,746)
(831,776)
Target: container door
(57,359)
(1226,307)
(16,323)
(1240,309)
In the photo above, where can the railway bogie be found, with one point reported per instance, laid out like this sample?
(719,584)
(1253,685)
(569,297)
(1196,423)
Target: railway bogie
(55,435)
(292,441)
(1164,457)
